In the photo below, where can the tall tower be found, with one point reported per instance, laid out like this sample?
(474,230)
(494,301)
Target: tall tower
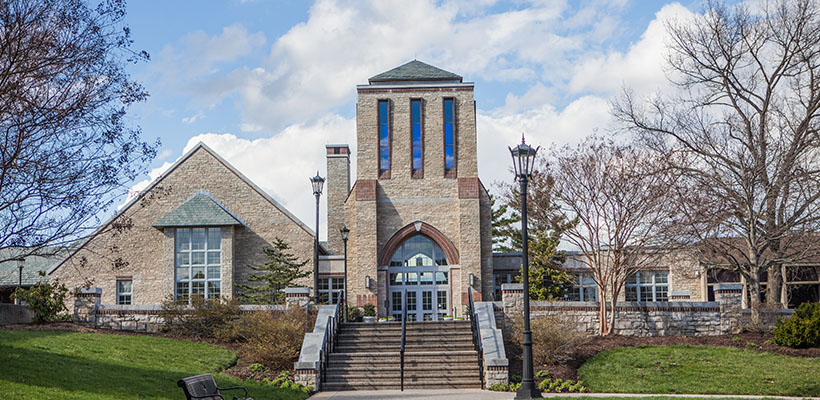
(418,214)
(338,186)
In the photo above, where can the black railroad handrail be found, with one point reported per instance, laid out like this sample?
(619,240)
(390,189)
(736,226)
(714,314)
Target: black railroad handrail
(403,339)
(476,336)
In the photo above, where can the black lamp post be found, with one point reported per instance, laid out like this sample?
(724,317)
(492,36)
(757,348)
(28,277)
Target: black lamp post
(345,232)
(20,263)
(523,158)
(317,182)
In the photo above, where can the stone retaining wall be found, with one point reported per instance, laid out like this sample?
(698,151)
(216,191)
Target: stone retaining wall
(139,318)
(14,314)
(686,318)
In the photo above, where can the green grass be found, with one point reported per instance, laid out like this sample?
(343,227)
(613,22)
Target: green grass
(71,365)
(702,370)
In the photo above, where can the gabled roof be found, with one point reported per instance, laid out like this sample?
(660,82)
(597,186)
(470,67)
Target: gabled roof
(32,266)
(199,210)
(415,71)
(170,170)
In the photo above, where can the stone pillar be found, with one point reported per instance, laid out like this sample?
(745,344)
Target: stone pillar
(512,295)
(86,304)
(297,296)
(338,186)
(729,298)
(306,377)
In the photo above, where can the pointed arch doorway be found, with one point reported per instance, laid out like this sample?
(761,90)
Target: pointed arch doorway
(419,273)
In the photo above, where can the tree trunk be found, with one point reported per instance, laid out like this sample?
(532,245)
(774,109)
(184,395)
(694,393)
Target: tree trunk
(754,304)
(774,287)
(613,302)
(602,320)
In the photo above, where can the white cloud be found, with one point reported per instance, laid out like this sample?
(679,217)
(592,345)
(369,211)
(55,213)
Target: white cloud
(193,118)
(282,164)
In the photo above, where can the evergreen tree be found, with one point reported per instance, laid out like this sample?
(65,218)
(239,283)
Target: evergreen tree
(503,225)
(548,278)
(281,270)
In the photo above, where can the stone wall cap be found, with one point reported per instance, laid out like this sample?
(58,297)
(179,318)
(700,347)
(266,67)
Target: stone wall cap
(728,286)
(131,307)
(93,290)
(328,146)
(297,290)
(680,293)
(512,286)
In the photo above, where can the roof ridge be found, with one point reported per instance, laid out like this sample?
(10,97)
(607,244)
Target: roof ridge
(415,70)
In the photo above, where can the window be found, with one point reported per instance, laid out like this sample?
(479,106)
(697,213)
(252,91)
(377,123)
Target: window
(584,288)
(500,278)
(384,137)
(416,139)
(418,251)
(449,138)
(198,265)
(648,286)
(331,289)
(124,287)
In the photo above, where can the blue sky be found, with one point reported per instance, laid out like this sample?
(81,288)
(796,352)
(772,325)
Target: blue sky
(268,83)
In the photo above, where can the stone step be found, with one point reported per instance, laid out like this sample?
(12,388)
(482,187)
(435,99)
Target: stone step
(411,326)
(407,354)
(382,368)
(394,385)
(409,376)
(408,339)
(413,333)
(421,365)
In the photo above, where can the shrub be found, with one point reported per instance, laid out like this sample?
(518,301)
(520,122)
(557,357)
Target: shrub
(802,329)
(256,367)
(542,373)
(562,386)
(272,338)
(44,299)
(554,340)
(285,382)
(354,314)
(202,319)
(369,310)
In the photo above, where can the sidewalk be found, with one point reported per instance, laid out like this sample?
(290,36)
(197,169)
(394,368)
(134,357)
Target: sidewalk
(477,394)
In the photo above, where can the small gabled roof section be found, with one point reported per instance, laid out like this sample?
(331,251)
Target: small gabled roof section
(199,210)
(415,71)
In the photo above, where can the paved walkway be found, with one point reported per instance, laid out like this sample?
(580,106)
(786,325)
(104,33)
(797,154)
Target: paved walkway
(477,394)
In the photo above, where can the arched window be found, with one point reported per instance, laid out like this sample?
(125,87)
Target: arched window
(418,251)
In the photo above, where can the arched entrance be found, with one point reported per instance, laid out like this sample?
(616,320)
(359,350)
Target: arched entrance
(418,273)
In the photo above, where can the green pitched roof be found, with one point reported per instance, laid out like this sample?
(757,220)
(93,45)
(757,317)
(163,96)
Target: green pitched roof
(200,210)
(31,267)
(415,71)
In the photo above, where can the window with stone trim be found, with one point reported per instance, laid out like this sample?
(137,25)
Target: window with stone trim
(197,263)
(331,289)
(416,139)
(124,291)
(449,138)
(584,288)
(648,286)
(384,137)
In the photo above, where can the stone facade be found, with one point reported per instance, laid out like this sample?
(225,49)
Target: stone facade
(338,187)
(380,205)
(129,247)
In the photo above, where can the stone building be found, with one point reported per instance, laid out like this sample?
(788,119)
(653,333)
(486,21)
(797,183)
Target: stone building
(193,231)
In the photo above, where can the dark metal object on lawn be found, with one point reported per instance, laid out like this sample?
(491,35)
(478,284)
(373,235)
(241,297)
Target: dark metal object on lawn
(204,387)
(523,159)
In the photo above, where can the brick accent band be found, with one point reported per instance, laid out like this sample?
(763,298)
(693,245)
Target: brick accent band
(468,188)
(366,190)
(83,295)
(414,90)
(306,371)
(411,230)
(727,291)
(495,368)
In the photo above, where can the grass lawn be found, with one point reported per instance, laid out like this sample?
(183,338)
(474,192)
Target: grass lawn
(71,365)
(701,369)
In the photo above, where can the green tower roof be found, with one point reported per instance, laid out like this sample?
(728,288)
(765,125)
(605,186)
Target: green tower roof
(415,71)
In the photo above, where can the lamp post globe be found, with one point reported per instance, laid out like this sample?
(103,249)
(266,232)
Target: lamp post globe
(345,233)
(523,157)
(317,182)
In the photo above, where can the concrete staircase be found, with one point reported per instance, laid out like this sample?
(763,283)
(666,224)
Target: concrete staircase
(437,355)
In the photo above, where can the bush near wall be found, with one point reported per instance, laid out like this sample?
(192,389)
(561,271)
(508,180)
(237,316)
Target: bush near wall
(202,319)
(554,339)
(802,329)
(272,338)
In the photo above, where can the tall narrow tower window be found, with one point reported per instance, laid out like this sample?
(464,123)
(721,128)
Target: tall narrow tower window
(384,136)
(449,138)
(416,135)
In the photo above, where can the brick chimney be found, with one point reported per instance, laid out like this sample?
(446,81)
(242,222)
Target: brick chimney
(338,186)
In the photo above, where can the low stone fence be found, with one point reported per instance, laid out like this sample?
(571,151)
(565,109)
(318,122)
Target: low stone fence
(676,317)
(144,318)
(14,314)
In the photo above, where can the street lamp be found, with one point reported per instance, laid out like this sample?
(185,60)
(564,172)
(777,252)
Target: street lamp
(345,232)
(317,182)
(523,158)
(20,263)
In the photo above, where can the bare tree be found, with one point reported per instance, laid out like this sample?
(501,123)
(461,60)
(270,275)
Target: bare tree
(66,149)
(619,201)
(742,130)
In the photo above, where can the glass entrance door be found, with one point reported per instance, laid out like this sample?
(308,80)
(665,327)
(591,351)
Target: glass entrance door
(424,300)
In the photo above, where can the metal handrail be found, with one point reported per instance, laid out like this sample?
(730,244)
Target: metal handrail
(476,336)
(403,339)
(328,343)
